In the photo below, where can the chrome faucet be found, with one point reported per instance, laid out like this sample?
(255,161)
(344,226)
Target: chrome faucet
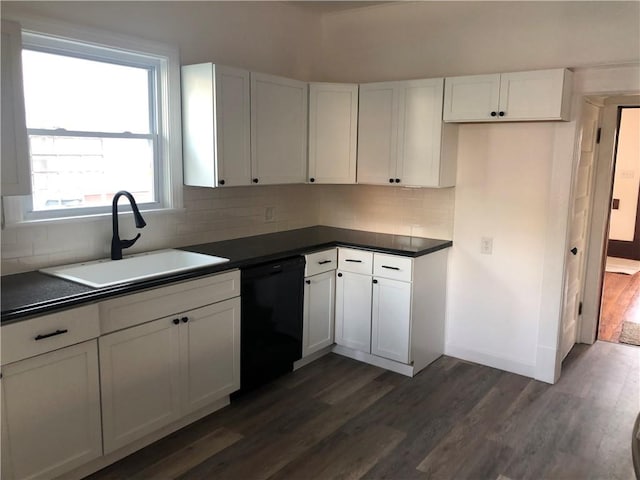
(116,244)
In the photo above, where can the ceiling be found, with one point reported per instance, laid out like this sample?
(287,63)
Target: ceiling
(333,6)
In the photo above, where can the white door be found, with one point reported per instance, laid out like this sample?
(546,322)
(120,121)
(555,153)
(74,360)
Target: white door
(319,309)
(233,126)
(278,130)
(353,311)
(391,319)
(471,98)
(377,133)
(51,412)
(580,217)
(139,373)
(210,353)
(333,130)
(533,95)
(420,132)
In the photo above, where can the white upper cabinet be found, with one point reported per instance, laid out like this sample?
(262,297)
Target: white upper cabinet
(401,138)
(521,96)
(16,179)
(333,124)
(278,130)
(216,119)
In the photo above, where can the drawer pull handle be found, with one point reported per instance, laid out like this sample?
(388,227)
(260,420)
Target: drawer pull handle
(184,319)
(53,334)
(322,262)
(390,268)
(353,261)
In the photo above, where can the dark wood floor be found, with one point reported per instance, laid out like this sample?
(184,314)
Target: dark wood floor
(620,303)
(340,419)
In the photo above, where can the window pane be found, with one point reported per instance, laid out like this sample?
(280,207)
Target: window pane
(88,171)
(84,95)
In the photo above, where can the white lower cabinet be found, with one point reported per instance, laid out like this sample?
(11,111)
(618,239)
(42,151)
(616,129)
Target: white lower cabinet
(155,373)
(391,312)
(140,377)
(318,316)
(391,319)
(353,310)
(51,412)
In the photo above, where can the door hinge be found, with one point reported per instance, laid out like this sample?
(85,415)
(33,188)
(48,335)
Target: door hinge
(598,134)
(580,308)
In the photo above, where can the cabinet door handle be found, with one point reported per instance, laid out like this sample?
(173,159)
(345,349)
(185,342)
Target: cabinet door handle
(352,261)
(255,180)
(184,319)
(391,180)
(176,321)
(375,281)
(322,262)
(390,268)
(493,114)
(397,180)
(312,179)
(308,282)
(52,334)
(501,114)
(339,274)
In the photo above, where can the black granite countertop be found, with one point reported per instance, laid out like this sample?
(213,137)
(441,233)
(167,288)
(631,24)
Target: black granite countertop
(33,293)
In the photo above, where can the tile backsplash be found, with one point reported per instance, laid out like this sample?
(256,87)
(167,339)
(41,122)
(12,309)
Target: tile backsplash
(210,215)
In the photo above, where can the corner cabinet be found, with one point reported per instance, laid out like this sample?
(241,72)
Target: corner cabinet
(278,130)
(16,174)
(401,137)
(216,122)
(333,130)
(521,96)
(319,300)
(390,310)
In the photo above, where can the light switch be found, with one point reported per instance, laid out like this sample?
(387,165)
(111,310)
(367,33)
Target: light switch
(486,245)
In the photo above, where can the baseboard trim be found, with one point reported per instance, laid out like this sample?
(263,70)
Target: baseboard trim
(387,364)
(312,357)
(490,360)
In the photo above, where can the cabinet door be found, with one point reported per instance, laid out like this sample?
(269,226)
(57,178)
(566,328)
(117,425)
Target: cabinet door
(139,373)
(420,132)
(333,123)
(378,133)
(471,98)
(210,353)
(391,319)
(278,130)
(16,172)
(353,311)
(319,309)
(216,125)
(51,412)
(536,95)
(233,126)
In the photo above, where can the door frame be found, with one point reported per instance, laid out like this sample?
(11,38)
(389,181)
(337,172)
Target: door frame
(601,213)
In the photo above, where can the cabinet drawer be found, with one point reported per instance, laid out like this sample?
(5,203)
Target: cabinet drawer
(357,261)
(50,332)
(137,308)
(392,266)
(320,262)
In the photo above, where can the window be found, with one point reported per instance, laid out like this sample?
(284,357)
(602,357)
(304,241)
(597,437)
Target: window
(102,116)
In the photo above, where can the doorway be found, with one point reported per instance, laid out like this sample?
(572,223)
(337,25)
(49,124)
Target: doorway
(619,320)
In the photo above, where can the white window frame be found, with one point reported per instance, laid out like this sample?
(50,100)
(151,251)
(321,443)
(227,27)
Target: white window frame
(59,37)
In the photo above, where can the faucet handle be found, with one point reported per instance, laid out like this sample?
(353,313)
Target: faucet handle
(129,243)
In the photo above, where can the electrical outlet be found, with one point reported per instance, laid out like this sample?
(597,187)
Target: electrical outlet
(269,214)
(486,245)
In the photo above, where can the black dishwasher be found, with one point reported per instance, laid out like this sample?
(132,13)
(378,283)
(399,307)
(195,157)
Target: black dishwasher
(271,320)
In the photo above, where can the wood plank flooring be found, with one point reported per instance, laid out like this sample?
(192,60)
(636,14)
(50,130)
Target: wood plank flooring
(620,303)
(340,419)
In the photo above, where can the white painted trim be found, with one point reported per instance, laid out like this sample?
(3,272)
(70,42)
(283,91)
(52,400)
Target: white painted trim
(490,360)
(312,357)
(400,368)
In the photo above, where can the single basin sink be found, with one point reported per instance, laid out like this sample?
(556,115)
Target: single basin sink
(104,273)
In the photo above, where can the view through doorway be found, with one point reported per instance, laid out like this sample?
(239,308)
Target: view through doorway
(620,308)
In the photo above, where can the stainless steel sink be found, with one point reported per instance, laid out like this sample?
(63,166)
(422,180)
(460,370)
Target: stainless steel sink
(104,273)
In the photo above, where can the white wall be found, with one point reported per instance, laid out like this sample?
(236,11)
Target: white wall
(627,177)
(430,39)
